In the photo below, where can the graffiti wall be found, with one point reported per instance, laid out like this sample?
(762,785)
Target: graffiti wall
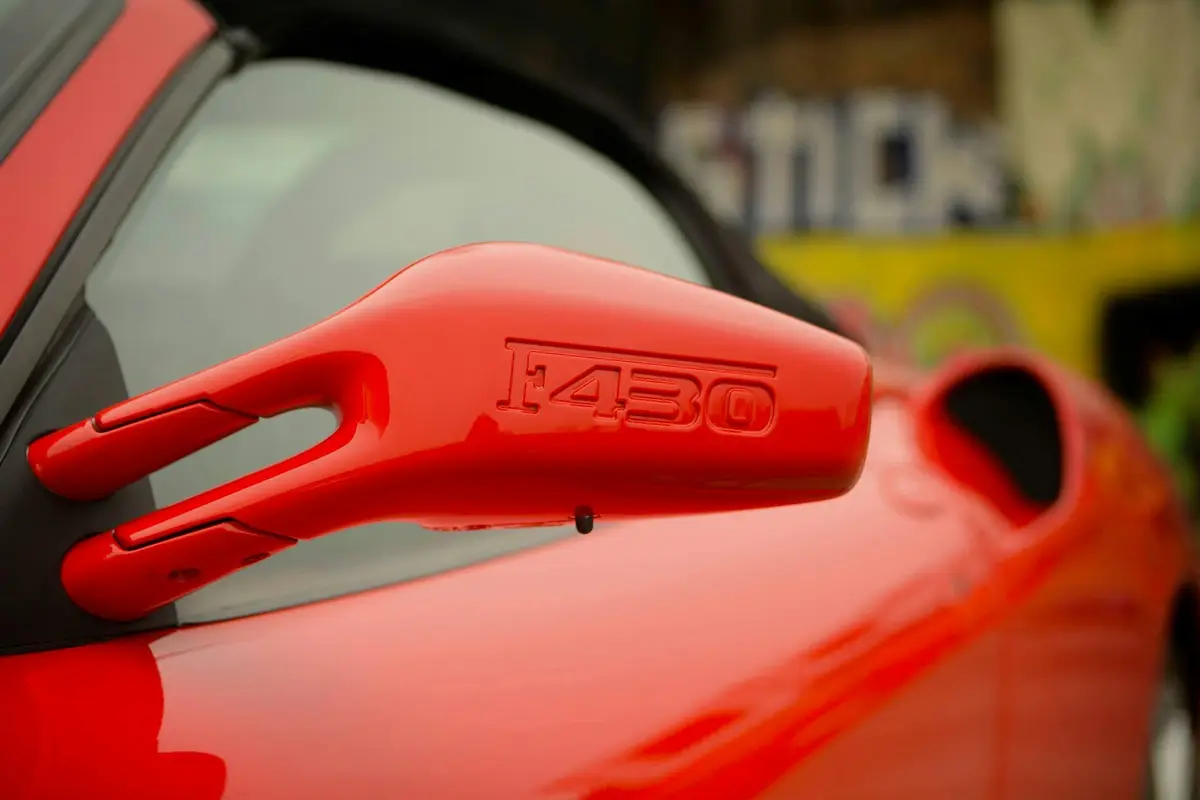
(1064,217)
(875,161)
(930,229)
(1101,107)
(918,299)
(1094,126)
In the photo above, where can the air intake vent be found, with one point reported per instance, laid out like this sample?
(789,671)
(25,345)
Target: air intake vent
(997,431)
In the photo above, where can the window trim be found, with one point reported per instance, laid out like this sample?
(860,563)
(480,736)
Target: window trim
(41,46)
(103,211)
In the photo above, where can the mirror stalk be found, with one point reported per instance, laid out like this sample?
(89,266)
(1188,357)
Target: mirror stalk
(558,387)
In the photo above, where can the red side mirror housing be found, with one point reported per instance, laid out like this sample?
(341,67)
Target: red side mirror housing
(489,385)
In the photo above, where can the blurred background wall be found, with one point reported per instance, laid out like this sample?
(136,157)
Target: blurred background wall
(953,174)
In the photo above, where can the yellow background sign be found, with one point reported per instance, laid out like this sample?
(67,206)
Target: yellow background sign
(923,297)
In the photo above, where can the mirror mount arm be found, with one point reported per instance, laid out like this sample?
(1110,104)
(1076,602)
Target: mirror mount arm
(109,581)
(558,386)
(130,571)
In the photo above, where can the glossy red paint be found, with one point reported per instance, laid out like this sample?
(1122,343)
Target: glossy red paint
(655,659)
(549,391)
(909,626)
(48,175)
(104,731)
(107,579)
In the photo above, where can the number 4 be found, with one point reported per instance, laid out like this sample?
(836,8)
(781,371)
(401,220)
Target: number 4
(597,388)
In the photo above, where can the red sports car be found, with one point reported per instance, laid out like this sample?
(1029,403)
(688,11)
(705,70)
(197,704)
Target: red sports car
(801,579)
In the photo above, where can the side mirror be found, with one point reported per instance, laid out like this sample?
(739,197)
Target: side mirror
(488,385)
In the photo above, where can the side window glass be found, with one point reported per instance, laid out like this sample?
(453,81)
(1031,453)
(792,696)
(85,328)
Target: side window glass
(297,188)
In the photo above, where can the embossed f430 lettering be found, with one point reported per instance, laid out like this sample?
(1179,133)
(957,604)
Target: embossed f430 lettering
(642,389)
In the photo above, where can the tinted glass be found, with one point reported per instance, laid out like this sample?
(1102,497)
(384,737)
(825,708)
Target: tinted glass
(296,189)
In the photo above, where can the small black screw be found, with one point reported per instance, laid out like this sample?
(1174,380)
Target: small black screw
(585,520)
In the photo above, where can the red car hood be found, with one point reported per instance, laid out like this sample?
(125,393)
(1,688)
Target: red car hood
(702,654)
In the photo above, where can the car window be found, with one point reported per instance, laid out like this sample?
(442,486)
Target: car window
(295,189)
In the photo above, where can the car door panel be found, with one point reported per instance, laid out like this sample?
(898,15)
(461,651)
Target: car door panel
(1082,650)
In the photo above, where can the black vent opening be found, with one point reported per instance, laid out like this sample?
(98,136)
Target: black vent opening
(1010,412)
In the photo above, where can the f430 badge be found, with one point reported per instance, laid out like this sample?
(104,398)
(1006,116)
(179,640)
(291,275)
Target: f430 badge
(642,389)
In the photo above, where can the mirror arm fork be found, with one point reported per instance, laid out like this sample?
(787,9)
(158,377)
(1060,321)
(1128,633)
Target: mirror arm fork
(144,564)
(557,385)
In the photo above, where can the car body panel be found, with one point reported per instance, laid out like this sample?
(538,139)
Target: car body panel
(555,671)
(761,653)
